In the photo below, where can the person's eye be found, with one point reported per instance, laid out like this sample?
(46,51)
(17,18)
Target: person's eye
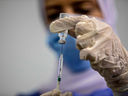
(84,8)
(53,16)
(84,11)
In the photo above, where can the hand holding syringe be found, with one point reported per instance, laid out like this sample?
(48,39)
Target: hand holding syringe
(61,41)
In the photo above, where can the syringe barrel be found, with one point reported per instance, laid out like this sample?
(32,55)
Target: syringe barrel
(60,66)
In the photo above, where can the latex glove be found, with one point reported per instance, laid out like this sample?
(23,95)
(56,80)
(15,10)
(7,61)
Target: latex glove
(98,43)
(56,92)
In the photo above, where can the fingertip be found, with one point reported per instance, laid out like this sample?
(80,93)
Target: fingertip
(83,54)
(52,28)
(85,16)
(91,57)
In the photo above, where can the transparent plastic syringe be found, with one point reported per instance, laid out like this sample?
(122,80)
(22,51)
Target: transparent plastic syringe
(62,41)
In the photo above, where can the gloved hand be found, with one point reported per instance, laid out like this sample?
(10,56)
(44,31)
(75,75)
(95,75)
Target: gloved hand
(56,92)
(98,43)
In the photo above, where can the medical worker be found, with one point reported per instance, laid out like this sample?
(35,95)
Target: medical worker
(78,77)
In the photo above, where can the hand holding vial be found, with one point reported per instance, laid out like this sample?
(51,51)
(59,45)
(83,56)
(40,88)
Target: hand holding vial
(98,43)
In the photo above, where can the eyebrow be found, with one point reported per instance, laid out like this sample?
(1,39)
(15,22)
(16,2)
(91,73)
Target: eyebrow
(80,2)
(53,7)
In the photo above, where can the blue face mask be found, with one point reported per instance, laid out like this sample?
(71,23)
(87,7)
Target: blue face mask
(70,53)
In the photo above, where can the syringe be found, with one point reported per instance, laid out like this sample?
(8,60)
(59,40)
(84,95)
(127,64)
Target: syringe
(62,41)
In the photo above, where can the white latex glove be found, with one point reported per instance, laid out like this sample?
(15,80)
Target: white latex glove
(98,43)
(56,92)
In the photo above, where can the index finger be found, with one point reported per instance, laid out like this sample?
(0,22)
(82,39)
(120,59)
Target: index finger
(66,23)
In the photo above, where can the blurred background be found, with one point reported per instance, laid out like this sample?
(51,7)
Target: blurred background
(26,61)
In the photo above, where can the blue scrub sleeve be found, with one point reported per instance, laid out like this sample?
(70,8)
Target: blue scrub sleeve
(105,92)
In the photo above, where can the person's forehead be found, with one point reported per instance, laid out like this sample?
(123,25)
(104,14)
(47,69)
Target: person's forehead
(59,2)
